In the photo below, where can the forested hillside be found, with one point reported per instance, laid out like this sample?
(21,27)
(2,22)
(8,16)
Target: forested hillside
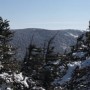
(62,41)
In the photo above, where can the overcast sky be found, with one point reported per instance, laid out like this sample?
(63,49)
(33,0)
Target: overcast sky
(48,14)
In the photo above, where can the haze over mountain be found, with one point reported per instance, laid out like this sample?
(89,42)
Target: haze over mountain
(63,40)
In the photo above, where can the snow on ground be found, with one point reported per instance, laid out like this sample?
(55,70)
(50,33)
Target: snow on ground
(79,54)
(71,67)
(15,77)
(6,77)
(85,63)
(75,36)
(18,78)
(21,79)
(38,88)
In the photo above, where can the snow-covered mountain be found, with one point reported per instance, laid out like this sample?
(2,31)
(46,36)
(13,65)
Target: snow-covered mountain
(62,41)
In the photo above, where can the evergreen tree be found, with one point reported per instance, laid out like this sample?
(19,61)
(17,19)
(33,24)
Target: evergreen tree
(50,57)
(39,63)
(33,64)
(6,49)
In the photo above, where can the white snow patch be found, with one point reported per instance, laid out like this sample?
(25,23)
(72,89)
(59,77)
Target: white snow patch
(75,36)
(19,78)
(62,68)
(71,67)
(38,88)
(8,88)
(79,54)
(67,76)
(85,63)
(6,77)
(84,46)
(15,77)
(56,62)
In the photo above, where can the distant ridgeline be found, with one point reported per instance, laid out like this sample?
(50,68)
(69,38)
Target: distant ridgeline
(62,42)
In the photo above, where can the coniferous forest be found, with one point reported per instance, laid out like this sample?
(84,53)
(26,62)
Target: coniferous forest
(42,68)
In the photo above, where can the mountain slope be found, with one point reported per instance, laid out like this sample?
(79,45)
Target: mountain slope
(62,41)
(77,75)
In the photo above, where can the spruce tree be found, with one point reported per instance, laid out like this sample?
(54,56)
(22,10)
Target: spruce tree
(50,66)
(6,49)
(39,63)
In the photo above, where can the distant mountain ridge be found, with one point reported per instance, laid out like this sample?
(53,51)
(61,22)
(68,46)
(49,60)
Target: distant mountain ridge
(63,40)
